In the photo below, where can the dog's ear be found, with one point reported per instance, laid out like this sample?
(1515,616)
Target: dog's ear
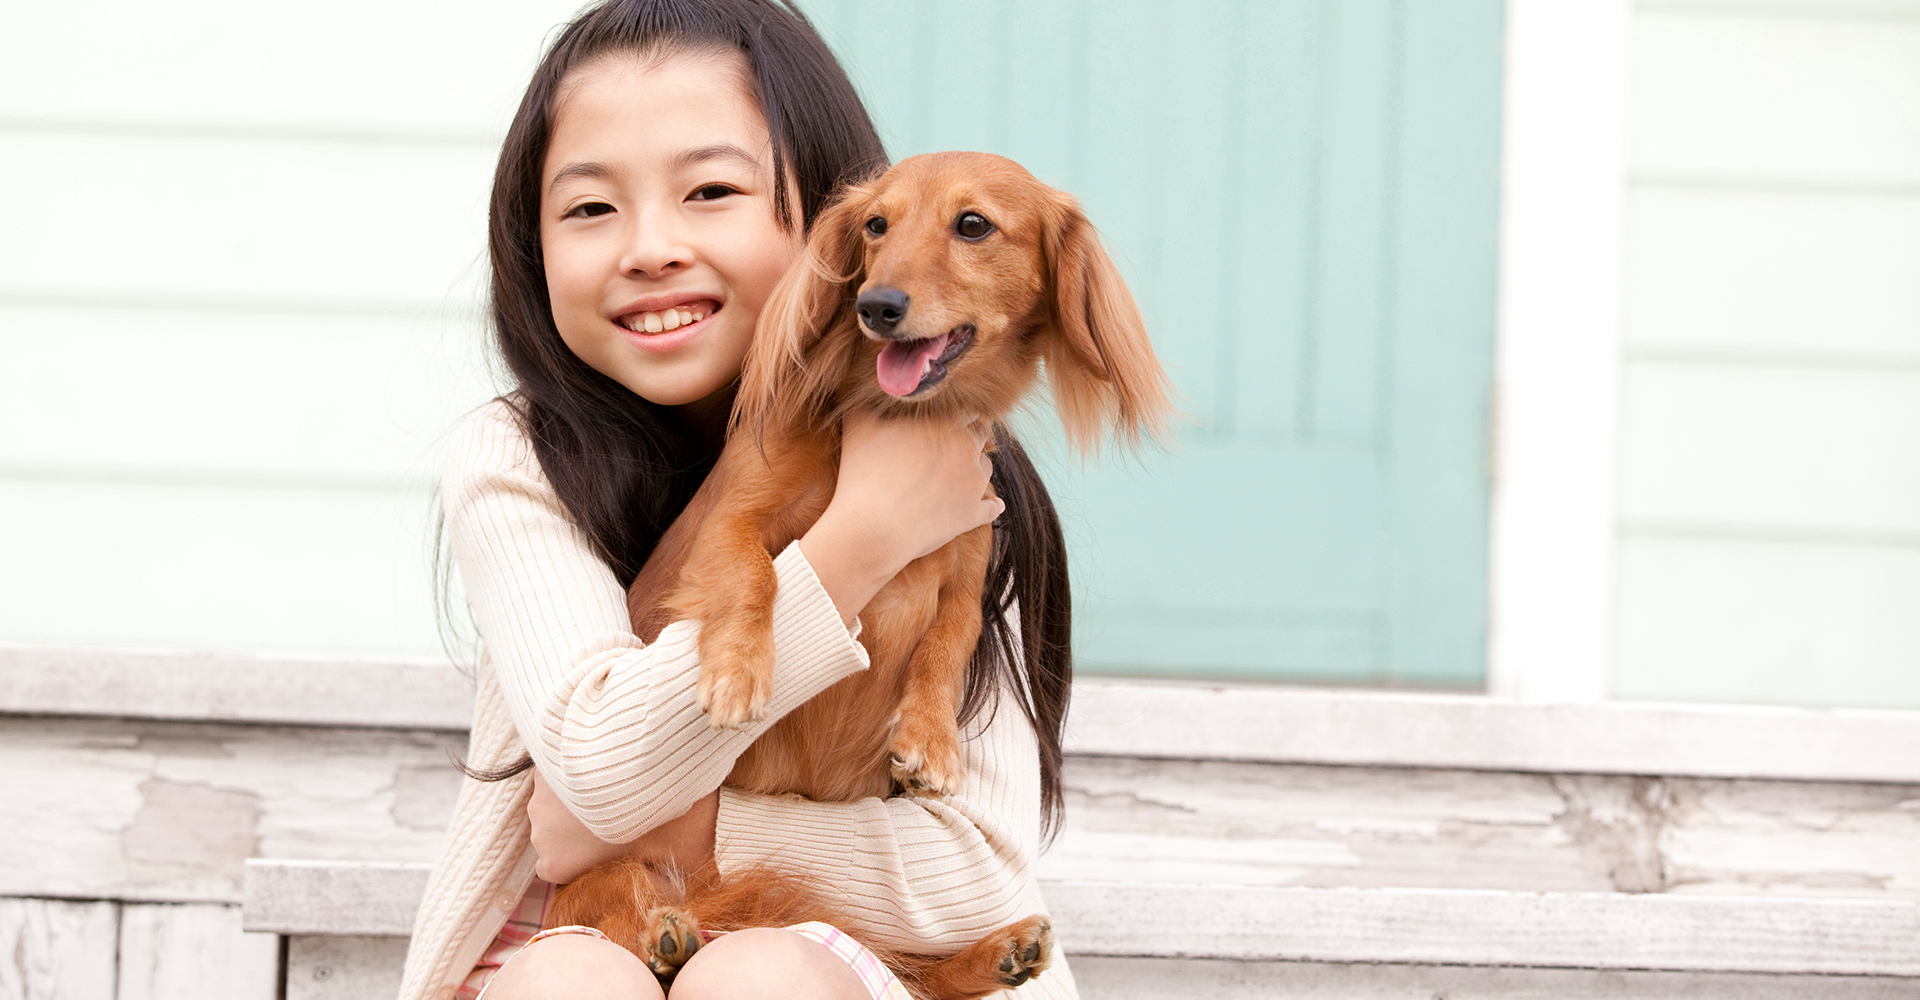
(784,380)
(1100,363)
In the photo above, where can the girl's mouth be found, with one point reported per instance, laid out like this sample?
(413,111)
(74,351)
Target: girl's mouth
(669,319)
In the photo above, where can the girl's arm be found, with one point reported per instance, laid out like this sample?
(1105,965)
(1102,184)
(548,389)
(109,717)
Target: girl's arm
(611,723)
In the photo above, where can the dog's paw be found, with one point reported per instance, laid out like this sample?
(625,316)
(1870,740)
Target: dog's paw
(926,759)
(736,676)
(668,937)
(733,699)
(1029,950)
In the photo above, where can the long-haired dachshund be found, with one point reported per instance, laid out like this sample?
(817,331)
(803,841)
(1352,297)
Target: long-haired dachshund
(940,289)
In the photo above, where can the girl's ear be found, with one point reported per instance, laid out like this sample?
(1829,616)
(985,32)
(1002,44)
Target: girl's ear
(784,381)
(1100,362)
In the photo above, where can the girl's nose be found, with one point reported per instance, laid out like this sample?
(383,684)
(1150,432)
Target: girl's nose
(655,247)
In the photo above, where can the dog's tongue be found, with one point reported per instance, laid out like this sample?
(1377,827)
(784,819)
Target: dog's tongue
(904,362)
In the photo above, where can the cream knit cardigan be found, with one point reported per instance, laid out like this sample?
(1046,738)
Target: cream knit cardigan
(613,726)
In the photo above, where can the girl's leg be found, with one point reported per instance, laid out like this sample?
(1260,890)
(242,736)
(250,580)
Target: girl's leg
(574,967)
(767,962)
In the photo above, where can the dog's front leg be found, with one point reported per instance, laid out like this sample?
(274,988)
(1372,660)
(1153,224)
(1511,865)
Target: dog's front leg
(926,742)
(728,583)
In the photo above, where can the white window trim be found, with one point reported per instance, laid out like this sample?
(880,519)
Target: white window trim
(1563,178)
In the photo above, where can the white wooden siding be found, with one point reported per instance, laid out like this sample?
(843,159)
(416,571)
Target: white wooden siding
(1769,540)
(240,290)
(1772,273)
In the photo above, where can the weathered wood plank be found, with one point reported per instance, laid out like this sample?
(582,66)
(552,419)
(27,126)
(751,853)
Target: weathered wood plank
(1419,926)
(1487,927)
(210,687)
(333,898)
(344,968)
(368,968)
(1106,978)
(1118,718)
(169,811)
(194,951)
(165,811)
(1300,725)
(56,950)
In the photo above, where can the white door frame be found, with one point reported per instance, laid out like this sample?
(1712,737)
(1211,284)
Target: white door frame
(1557,354)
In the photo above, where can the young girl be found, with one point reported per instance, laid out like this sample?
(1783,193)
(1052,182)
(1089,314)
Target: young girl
(656,182)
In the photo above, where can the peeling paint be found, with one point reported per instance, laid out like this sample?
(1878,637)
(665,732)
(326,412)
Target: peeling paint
(423,797)
(193,825)
(1622,819)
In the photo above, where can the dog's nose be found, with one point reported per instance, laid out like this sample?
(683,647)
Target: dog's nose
(881,308)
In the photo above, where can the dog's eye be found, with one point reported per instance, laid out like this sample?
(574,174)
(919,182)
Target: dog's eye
(972,225)
(877,226)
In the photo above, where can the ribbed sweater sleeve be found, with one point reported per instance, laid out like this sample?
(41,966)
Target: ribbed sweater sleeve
(611,722)
(928,874)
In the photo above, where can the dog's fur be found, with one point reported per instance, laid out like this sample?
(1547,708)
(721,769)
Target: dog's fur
(1036,289)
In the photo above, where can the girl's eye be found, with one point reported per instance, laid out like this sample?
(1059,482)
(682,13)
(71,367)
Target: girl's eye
(972,226)
(712,192)
(589,210)
(877,226)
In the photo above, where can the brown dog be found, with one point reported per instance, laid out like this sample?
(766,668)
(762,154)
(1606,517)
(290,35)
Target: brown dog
(938,290)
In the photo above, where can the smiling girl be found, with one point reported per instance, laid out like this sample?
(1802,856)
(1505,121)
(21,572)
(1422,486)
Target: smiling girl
(656,182)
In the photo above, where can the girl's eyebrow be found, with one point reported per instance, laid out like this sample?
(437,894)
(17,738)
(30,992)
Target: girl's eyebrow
(717,151)
(592,169)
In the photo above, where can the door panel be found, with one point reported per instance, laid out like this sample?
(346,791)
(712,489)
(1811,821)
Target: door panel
(1301,194)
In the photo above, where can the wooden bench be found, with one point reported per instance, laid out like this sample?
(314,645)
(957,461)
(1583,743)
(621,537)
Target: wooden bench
(1221,841)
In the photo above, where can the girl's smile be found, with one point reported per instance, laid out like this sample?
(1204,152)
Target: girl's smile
(657,221)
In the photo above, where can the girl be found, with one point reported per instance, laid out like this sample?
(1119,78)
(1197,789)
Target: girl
(656,182)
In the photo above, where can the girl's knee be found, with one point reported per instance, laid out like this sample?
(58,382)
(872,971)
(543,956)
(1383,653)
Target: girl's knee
(764,962)
(574,967)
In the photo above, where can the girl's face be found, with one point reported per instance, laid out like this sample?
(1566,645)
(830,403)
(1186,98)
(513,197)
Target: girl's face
(657,222)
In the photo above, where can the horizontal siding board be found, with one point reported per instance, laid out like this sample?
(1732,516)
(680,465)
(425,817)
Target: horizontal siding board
(1826,9)
(1773,273)
(1807,101)
(1778,622)
(139,219)
(195,566)
(359,65)
(1759,447)
(186,393)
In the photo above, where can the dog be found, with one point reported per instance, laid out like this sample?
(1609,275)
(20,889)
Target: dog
(941,289)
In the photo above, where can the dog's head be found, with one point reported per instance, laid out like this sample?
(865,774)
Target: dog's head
(941,287)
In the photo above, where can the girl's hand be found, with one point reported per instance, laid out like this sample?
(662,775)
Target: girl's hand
(565,849)
(906,488)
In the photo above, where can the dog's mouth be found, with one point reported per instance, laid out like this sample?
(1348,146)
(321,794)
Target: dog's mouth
(908,367)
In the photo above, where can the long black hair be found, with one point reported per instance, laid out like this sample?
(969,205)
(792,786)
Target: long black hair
(625,467)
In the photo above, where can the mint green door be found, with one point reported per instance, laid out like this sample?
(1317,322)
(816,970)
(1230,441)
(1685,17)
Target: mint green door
(1302,194)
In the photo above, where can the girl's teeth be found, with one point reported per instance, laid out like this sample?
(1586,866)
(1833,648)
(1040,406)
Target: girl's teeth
(664,320)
